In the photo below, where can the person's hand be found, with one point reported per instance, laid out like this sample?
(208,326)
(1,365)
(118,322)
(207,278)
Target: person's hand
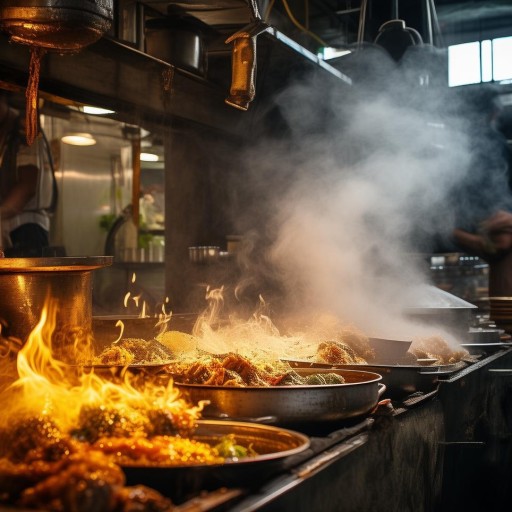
(498,230)
(501,220)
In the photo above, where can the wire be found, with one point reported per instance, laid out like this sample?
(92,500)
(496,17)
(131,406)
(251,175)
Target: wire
(301,27)
(268,10)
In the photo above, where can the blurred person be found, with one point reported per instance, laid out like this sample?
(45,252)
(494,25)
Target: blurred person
(27,191)
(493,243)
(485,228)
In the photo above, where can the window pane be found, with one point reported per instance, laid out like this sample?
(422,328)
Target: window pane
(464,64)
(486,61)
(502,51)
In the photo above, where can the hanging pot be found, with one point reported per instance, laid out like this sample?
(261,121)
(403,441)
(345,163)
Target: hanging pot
(59,25)
(62,25)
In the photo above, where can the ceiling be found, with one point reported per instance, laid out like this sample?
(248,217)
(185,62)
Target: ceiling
(337,22)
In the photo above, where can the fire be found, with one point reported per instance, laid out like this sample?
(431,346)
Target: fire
(55,386)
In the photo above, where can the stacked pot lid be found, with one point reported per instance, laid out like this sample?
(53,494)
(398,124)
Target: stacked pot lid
(500,311)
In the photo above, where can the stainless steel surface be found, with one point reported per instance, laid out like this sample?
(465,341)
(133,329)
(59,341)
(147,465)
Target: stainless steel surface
(389,351)
(400,380)
(433,306)
(203,254)
(178,42)
(293,404)
(27,283)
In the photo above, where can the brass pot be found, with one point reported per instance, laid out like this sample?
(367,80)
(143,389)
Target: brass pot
(62,25)
(26,283)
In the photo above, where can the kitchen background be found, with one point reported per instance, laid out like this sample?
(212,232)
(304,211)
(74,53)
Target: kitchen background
(195,193)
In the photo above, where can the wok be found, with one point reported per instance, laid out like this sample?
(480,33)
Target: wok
(292,405)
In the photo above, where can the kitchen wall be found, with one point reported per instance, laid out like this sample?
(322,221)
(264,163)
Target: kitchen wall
(93,182)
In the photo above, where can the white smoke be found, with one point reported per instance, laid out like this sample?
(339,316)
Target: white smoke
(363,181)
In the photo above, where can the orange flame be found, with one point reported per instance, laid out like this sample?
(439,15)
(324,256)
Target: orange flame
(46,384)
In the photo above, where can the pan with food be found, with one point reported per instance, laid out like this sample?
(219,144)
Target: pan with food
(269,447)
(316,396)
(400,380)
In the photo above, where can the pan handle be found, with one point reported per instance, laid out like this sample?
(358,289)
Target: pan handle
(262,419)
(382,389)
(501,372)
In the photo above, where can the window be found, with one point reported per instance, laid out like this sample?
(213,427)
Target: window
(480,61)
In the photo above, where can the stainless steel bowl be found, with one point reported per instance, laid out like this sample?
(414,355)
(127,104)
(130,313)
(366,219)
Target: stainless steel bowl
(27,283)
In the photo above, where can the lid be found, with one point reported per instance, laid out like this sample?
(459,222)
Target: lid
(432,297)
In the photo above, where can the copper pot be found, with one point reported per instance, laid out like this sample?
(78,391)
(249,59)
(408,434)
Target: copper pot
(62,25)
(26,283)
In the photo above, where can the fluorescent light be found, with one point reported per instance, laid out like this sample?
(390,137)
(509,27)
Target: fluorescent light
(79,139)
(328,53)
(96,111)
(148,157)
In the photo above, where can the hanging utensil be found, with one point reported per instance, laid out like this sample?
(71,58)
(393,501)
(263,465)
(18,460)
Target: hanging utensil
(64,26)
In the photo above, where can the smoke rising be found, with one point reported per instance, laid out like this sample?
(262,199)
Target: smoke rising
(365,180)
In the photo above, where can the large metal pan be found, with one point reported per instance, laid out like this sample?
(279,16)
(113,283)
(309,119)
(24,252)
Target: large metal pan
(272,444)
(400,380)
(292,405)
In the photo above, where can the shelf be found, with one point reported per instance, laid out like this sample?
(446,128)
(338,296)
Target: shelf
(114,75)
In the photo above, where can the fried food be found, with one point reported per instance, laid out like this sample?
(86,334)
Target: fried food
(238,371)
(134,351)
(335,352)
(436,347)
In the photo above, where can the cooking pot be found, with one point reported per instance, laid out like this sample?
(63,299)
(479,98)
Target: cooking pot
(26,283)
(431,306)
(180,41)
(63,25)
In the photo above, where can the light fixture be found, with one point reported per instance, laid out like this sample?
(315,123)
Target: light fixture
(148,157)
(96,111)
(79,139)
(328,53)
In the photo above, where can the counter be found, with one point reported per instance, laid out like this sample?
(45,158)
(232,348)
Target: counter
(446,450)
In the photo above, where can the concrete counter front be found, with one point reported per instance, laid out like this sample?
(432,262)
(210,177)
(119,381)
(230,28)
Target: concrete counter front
(446,450)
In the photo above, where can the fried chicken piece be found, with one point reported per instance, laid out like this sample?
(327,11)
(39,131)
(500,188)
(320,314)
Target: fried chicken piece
(248,372)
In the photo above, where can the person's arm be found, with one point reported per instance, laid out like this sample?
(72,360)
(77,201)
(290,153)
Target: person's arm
(21,193)
(470,242)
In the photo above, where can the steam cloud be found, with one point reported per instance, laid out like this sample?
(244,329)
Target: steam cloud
(365,178)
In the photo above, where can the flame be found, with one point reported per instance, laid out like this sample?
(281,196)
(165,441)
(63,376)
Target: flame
(51,385)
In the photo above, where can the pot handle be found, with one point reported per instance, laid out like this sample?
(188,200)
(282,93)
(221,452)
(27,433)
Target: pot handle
(501,372)
(382,389)
(261,419)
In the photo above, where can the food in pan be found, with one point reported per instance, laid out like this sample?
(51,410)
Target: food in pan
(45,466)
(133,351)
(336,352)
(438,348)
(43,469)
(238,371)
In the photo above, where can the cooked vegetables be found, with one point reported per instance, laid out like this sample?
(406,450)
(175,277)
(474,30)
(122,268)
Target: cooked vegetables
(237,371)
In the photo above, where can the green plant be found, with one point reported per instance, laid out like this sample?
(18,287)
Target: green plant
(107,221)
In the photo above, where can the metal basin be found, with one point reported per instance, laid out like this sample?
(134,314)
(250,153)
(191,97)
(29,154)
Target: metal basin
(27,283)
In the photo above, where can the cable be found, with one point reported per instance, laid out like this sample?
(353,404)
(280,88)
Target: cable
(268,10)
(301,27)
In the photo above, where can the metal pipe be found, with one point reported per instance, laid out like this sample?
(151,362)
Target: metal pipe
(136,180)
